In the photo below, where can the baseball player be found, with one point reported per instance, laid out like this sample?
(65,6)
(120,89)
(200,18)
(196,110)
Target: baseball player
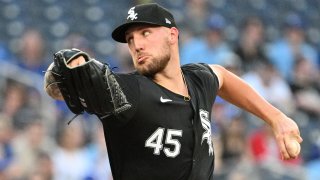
(157,119)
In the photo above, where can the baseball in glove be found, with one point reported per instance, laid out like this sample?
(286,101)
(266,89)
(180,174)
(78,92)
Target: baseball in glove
(90,87)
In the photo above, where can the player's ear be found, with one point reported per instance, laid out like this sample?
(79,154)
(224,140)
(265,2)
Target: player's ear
(174,35)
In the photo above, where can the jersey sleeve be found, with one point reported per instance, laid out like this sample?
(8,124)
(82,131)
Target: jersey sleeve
(206,77)
(208,69)
(213,78)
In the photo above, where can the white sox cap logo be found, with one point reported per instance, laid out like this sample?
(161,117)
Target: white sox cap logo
(132,14)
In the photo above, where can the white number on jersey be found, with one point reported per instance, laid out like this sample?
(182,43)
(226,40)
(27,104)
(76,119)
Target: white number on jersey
(155,142)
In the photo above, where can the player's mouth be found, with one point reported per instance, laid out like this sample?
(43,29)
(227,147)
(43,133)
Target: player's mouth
(141,59)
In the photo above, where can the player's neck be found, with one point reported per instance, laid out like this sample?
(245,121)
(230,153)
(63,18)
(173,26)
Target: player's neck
(172,79)
(170,74)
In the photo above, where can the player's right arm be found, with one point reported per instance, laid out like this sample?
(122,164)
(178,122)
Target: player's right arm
(236,91)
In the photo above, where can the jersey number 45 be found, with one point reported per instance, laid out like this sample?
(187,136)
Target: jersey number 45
(155,142)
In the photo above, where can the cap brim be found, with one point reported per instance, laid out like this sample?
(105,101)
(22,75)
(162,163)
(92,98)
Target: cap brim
(118,34)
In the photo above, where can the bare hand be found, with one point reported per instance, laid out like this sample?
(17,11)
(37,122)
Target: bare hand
(77,61)
(286,131)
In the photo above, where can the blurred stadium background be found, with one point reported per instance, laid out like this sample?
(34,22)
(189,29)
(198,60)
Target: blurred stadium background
(274,45)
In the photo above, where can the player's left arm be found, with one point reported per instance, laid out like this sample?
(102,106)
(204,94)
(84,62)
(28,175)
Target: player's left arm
(236,91)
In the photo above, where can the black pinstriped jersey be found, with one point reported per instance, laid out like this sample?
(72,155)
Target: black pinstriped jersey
(163,137)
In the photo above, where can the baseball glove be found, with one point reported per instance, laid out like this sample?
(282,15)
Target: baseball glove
(90,87)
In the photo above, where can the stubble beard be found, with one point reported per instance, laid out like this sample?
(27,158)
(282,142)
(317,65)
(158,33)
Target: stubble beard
(156,64)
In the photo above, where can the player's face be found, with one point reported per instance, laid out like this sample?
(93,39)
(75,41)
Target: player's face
(149,47)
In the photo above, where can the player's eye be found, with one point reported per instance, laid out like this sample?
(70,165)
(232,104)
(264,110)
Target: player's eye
(129,40)
(146,33)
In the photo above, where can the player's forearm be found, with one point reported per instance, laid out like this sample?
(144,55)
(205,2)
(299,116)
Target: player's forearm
(239,93)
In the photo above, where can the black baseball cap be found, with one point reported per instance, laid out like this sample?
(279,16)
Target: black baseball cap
(151,13)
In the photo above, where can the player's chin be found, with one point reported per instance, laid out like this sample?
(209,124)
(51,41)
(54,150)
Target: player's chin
(146,71)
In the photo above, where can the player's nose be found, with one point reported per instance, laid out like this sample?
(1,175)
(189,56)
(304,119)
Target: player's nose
(138,44)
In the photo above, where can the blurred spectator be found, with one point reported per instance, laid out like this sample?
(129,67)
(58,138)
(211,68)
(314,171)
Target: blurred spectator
(250,47)
(306,87)
(122,58)
(13,98)
(43,169)
(283,52)
(6,149)
(319,57)
(224,114)
(267,81)
(29,145)
(210,49)
(16,106)
(71,159)
(32,52)
(266,155)
(229,137)
(312,169)
(20,104)
(195,15)
(100,169)
(219,118)
(235,163)
(233,141)
(4,52)
(306,91)
(232,62)
(262,146)
(78,41)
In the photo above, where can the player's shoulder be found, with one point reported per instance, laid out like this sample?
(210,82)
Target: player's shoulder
(200,71)
(198,68)
(130,75)
(131,79)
